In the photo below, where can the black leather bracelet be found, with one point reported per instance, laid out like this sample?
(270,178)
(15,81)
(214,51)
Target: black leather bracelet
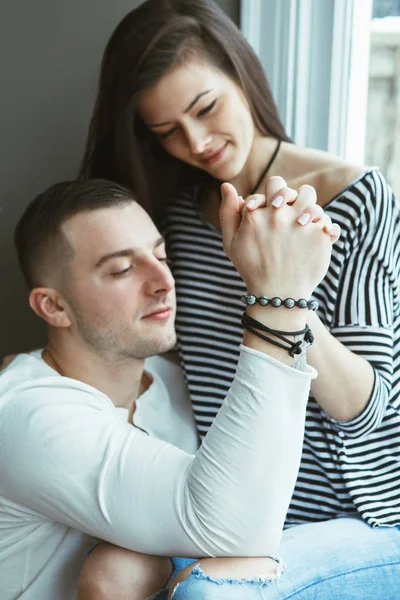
(293,348)
(306,332)
(276,302)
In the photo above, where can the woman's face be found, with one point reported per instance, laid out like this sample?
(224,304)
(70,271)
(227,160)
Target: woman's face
(201,117)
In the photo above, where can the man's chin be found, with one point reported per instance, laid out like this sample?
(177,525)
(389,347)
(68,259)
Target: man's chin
(169,344)
(160,345)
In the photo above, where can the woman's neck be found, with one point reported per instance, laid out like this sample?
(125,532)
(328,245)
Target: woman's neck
(262,151)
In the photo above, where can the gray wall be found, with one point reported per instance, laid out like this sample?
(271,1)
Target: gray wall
(49,58)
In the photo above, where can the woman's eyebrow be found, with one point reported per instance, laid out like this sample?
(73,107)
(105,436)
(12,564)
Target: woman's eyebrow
(191,105)
(196,100)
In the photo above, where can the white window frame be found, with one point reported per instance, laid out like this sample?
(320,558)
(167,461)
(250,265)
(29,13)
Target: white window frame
(316,56)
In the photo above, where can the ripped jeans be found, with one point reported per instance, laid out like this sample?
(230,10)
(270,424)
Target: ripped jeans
(200,585)
(340,559)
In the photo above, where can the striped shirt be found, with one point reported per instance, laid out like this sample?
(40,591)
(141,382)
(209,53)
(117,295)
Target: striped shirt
(347,467)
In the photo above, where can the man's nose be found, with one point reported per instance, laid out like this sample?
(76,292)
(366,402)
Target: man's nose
(160,281)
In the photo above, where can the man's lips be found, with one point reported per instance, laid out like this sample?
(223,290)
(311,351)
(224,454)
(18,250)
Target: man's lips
(215,156)
(160,314)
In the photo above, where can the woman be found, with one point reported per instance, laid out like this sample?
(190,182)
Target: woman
(183,105)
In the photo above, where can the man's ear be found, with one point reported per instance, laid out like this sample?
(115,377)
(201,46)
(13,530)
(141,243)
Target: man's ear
(50,306)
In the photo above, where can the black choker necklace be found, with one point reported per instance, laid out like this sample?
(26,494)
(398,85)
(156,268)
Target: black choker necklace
(267,168)
(265,171)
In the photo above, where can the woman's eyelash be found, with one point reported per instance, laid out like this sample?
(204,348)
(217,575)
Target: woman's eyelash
(166,134)
(201,113)
(207,108)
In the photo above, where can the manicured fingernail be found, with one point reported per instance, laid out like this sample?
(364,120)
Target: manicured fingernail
(303,220)
(240,197)
(277,201)
(250,203)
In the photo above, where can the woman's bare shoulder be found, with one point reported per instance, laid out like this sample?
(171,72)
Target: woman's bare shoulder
(330,182)
(328,173)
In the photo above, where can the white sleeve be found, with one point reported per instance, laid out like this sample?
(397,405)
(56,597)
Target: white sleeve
(74,462)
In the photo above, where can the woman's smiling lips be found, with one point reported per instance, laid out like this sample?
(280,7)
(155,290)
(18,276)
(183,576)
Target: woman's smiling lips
(213,158)
(161,314)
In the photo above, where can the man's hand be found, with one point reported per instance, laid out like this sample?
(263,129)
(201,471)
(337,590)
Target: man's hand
(281,243)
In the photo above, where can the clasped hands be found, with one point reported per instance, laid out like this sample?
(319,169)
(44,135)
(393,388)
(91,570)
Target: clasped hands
(279,241)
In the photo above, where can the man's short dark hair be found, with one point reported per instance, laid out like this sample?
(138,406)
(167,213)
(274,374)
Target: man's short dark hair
(42,248)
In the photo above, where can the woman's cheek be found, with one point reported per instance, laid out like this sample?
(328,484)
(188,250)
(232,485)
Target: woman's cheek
(173,147)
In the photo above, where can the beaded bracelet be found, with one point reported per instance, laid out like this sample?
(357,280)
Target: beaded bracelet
(276,302)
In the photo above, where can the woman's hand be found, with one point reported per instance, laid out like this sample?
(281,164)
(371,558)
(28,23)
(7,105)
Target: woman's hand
(279,195)
(281,243)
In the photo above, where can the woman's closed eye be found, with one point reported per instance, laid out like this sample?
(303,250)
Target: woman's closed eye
(207,109)
(204,111)
(166,134)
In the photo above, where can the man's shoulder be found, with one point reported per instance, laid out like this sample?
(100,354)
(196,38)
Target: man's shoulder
(24,368)
(41,412)
(28,382)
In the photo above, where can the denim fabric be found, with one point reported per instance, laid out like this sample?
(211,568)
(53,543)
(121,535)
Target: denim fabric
(197,585)
(201,586)
(340,559)
(178,564)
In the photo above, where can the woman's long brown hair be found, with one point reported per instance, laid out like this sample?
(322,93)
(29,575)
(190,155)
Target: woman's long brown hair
(150,40)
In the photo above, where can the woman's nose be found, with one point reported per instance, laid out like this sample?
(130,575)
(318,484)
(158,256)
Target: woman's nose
(198,138)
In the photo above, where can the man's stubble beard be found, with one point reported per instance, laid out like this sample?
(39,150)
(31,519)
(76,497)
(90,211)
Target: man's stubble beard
(117,345)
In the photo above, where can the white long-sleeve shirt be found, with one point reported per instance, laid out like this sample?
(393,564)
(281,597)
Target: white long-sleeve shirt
(72,468)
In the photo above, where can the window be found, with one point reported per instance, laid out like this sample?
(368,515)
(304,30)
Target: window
(315,54)
(382,145)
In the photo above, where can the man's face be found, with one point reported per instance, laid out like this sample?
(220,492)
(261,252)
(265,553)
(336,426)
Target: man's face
(121,293)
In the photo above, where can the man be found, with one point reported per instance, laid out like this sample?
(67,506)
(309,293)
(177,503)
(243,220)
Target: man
(72,468)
